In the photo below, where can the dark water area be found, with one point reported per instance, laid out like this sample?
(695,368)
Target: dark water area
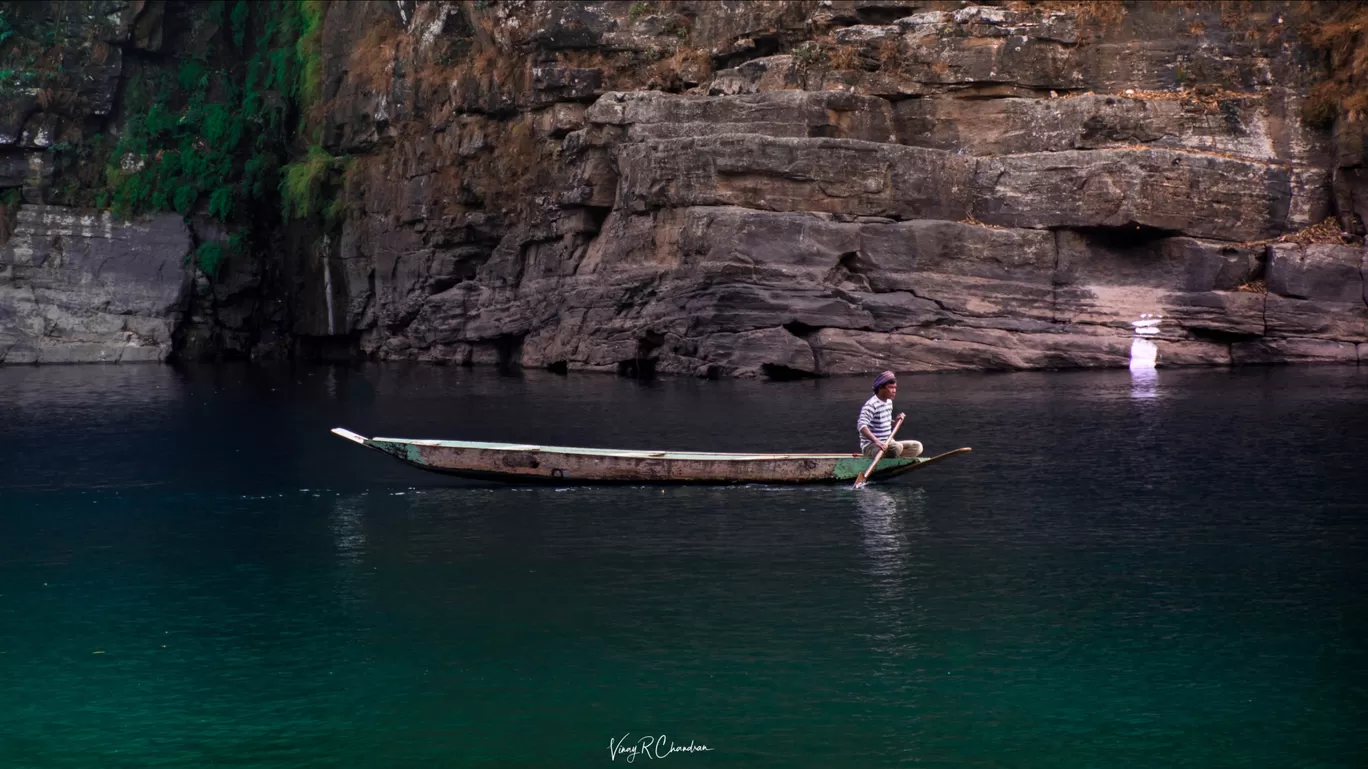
(1124,573)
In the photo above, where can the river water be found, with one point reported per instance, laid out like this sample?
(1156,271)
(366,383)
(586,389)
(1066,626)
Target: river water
(1126,572)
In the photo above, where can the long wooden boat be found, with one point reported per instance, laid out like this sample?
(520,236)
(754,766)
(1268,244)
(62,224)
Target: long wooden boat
(561,465)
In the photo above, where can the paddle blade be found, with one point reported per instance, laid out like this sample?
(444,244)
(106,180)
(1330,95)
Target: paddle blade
(863,478)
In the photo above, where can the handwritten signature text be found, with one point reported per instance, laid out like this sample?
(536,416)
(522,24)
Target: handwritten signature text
(650,746)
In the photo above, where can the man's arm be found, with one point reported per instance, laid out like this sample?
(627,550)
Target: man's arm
(865,415)
(866,432)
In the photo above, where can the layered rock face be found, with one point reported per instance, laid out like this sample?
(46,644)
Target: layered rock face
(792,188)
(78,287)
(840,187)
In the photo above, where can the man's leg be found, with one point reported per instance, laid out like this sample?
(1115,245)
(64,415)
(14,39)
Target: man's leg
(908,449)
(873,448)
(903,449)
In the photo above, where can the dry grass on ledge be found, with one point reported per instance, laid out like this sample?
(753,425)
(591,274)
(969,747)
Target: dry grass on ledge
(1327,232)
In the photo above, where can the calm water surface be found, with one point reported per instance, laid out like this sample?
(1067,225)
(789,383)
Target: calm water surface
(193,572)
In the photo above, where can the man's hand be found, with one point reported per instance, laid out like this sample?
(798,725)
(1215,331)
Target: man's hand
(900,417)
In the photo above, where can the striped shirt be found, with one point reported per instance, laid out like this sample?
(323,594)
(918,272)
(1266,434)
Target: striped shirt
(877,415)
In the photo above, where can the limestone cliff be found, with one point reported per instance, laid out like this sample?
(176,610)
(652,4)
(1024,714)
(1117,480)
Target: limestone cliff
(728,188)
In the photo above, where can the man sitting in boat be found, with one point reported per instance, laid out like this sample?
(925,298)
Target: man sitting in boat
(876,422)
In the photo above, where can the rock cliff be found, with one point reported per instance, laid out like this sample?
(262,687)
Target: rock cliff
(726,188)
(78,286)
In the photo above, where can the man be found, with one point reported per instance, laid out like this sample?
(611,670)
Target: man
(876,422)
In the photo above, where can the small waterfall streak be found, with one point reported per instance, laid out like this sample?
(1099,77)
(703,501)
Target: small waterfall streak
(1144,352)
(1143,356)
(328,294)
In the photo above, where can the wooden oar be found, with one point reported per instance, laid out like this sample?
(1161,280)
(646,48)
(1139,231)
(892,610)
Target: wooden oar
(860,479)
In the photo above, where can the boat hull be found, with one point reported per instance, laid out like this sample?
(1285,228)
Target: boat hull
(559,465)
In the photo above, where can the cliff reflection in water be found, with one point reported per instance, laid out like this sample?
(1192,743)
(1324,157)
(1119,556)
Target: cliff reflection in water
(1144,383)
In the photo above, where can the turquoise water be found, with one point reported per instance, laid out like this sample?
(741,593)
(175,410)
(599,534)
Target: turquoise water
(1122,574)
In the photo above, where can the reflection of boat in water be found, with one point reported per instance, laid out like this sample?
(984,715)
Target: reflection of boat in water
(883,536)
(886,519)
(523,463)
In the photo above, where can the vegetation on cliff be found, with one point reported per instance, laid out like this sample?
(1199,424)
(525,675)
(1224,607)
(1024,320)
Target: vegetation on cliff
(213,136)
(206,126)
(308,186)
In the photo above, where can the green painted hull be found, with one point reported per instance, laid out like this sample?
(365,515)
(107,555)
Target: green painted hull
(563,465)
